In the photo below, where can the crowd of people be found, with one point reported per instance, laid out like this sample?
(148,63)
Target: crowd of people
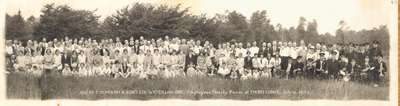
(175,57)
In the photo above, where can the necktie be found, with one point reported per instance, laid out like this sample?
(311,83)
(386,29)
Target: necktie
(320,67)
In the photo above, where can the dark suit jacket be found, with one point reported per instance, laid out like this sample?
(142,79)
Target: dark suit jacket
(248,63)
(319,65)
(332,66)
(103,51)
(377,66)
(65,59)
(191,59)
(266,51)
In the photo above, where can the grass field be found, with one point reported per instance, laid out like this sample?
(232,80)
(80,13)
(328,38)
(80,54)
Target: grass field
(21,86)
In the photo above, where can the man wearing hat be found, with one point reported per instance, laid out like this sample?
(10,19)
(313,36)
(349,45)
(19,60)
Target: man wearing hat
(375,50)
(321,68)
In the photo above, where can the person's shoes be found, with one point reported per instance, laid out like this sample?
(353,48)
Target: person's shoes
(376,85)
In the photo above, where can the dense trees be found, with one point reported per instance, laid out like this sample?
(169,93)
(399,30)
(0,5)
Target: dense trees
(15,27)
(60,21)
(155,21)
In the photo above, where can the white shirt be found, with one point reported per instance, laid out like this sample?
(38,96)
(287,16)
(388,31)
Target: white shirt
(57,59)
(175,47)
(253,50)
(82,59)
(9,50)
(293,52)
(196,49)
(284,51)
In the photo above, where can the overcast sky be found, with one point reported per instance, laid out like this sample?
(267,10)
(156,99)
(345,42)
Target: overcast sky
(359,14)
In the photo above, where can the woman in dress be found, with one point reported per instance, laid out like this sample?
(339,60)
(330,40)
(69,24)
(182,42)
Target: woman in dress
(201,63)
(74,61)
(97,63)
(57,60)
(20,61)
(149,68)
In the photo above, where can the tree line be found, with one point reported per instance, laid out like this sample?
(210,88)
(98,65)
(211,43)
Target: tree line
(150,21)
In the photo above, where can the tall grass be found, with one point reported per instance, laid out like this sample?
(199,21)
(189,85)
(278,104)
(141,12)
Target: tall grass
(54,86)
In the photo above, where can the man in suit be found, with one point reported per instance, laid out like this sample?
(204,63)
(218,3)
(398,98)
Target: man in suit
(266,49)
(297,68)
(191,59)
(374,51)
(353,68)
(332,66)
(65,59)
(248,62)
(103,50)
(376,74)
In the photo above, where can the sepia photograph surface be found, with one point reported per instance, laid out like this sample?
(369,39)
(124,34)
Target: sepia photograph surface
(199,49)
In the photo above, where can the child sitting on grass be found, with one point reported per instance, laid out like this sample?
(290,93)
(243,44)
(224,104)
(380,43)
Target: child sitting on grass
(67,71)
(142,73)
(35,71)
(223,70)
(234,75)
(245,75)
(191,71)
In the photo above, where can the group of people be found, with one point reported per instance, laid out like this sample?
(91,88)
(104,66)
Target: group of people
(175,57)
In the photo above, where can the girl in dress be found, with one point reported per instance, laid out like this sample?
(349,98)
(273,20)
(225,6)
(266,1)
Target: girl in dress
(107,70)
(268,64)
(124,70)
(223,70)
(74,61)
(191,71)
(20,61)
(82,72)
(256,66)
(48,63)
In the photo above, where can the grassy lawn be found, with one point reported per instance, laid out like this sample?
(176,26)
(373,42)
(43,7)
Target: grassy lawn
(21,86)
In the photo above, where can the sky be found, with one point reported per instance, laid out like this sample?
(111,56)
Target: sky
(358,14)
